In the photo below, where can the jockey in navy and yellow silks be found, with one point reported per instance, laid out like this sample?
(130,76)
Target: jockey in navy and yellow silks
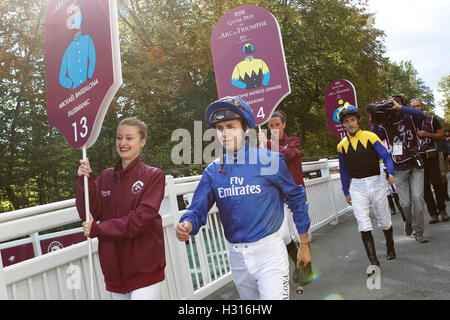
(250,73)
(359,154)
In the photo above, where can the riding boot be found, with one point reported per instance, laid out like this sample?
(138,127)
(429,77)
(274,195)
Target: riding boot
(391,204)
(369,244)
(388,234)
(304,275)
(292,250)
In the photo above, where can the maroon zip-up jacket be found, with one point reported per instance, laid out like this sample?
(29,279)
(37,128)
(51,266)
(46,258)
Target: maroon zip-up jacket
(290,147)
(131,239)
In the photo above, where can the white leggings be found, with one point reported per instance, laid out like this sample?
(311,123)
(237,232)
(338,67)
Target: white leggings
(152,292)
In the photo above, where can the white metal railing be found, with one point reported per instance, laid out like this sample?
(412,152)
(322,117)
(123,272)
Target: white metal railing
(194,269)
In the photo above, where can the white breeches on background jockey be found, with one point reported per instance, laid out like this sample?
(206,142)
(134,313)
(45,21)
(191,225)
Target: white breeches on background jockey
(261,268)
(370,191)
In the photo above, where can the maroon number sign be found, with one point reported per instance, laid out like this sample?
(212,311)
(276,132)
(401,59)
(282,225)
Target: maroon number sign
(82,66)
(249,61)
(338,94)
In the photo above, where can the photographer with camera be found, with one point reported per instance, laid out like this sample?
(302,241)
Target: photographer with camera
(429,132)
(359,154)
(394,122)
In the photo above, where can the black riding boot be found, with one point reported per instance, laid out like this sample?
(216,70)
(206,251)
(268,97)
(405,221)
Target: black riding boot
(292,250)
(388,234)
(391,204)
(369,244)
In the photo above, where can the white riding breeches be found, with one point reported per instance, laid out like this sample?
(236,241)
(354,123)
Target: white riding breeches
(367,191)
(260,269)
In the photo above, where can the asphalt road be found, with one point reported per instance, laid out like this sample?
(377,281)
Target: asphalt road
(420,271)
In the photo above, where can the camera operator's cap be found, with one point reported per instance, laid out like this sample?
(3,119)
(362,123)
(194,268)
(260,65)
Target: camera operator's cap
(401,97)
(348,110)
(229,108)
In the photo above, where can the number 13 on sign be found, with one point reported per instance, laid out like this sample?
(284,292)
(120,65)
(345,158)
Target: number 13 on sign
(84,128)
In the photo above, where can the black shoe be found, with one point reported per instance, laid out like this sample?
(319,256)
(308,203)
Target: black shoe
(420,238)
(391,255)
(444,215)
(434,219)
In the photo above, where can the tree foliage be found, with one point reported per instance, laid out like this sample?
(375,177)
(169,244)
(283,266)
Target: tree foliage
(444,87)
(169,80)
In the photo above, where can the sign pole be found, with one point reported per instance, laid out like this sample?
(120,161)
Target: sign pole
(88,216)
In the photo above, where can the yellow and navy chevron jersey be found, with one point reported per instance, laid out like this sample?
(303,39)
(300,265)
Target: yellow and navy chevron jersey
(361,158)
(252,72)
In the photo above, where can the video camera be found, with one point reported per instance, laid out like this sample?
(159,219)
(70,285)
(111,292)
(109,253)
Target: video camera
(380,113)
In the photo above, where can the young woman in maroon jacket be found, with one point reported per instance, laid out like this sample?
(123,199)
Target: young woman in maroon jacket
(124,203)
(290,147)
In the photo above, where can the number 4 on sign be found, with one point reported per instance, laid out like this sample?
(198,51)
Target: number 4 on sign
(261,113)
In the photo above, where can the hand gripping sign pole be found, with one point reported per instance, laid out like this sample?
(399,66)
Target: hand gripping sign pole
(80,87)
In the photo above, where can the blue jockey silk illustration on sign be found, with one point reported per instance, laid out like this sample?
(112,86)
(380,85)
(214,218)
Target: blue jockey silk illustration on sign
(80,87)
(78,62)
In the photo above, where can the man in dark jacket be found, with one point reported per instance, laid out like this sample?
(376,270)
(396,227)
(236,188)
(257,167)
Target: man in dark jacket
(398,128)
(431,131)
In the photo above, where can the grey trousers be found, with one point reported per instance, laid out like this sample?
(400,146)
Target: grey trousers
(409,185)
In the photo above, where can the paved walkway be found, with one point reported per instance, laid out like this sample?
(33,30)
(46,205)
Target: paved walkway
(420,271)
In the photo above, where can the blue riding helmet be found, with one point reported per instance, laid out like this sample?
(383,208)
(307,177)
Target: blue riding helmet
(229,108)
(348,110)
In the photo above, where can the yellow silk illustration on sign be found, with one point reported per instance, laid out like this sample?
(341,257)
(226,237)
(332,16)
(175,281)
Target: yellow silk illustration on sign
(248,66)
(362,136)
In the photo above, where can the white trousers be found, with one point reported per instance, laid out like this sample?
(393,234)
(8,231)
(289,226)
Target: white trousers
(152,292)
(260,269)
(367,191)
